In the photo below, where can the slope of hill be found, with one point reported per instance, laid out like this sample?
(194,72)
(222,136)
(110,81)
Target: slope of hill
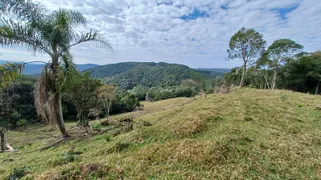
(148,74)
(246,134)
(111,69)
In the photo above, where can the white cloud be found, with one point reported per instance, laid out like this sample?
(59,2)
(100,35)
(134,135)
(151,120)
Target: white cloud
(152,30)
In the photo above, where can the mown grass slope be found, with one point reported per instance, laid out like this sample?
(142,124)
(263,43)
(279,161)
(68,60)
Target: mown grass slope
(246,134)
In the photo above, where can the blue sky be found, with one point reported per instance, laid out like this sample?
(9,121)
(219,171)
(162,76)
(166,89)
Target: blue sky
(191,32)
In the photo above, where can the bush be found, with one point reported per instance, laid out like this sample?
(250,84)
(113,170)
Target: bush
(106,137)
(22,122)
(18,173)
(65,159)
(284,97)
(97,125)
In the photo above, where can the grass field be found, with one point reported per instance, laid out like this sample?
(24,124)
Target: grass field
(246,134)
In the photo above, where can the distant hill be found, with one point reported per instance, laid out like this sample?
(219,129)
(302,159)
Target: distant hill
(221,70)
(213,72)
(35,69)
(111,69)
(149,74)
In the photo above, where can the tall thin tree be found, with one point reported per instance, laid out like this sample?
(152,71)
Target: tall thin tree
(277,54)
(246,44)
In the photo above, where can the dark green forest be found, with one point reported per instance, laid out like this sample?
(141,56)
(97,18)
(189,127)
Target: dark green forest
(157,80)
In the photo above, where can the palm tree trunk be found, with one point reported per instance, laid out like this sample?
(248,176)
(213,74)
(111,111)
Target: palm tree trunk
(57,108)
(317,89)
(58,117)
(274,78)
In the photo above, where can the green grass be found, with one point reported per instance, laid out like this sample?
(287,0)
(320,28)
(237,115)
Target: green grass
(246,134)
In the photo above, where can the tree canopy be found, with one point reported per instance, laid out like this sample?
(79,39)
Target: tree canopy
(246,44)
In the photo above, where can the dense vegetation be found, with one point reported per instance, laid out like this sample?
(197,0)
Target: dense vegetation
(157,81)
(79,99)
(300,74)
(282,65)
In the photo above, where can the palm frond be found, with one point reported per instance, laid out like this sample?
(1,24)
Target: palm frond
(44,93)
(71,17)
(13,33)
(24,10)
(93,35)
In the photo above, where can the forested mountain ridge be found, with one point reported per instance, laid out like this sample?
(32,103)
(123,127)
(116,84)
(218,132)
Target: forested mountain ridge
(149,74)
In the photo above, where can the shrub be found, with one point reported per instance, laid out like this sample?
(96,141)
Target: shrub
(97,125)
(18,173)
(22,122)
(106,137)
(65,159)
(284,97)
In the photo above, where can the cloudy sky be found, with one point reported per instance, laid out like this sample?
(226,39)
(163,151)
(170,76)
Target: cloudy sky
(191,32)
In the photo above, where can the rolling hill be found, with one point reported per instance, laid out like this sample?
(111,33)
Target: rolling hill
(149,74)
(246,134)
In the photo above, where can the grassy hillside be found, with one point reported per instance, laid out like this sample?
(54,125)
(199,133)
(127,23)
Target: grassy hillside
(247,134)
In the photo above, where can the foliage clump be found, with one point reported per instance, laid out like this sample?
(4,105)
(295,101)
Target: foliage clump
(18,172)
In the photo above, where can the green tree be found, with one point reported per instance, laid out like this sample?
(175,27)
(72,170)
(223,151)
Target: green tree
(17,102)
(82,90)
(277,54)
(140,92)
(8,72)
(246,44)
(302,75)
(28,23)
(106,95)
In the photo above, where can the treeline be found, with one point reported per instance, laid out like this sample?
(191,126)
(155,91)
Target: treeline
(282,65)
(82,98)
(301,73)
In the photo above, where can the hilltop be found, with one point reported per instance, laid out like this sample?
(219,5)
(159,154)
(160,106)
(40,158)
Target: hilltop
(149,74)
(246,134)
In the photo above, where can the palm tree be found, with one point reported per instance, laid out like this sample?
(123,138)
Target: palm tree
(27,23)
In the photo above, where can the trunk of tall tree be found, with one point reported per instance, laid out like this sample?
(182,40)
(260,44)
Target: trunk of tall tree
(275,73)
(317,89)
(266,80)
(58,117)
(2,140)
(108,110)
(243,74)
